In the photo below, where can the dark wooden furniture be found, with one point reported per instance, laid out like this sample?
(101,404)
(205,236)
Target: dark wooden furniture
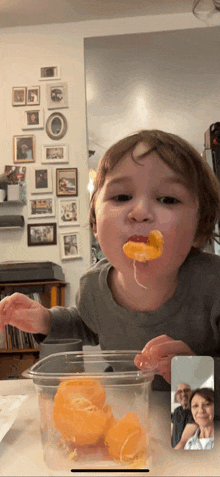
(51,292)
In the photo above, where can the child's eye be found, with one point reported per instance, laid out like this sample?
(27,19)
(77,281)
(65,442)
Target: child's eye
(168,200)
(122,197)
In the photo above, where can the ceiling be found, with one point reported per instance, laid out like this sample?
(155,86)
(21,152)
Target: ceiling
(37,12)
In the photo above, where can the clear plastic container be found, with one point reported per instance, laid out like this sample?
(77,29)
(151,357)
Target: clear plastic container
(94,410)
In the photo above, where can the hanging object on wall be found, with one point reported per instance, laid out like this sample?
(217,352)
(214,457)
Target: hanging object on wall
(11,222)
(56,126)
(57,96)
(208,11)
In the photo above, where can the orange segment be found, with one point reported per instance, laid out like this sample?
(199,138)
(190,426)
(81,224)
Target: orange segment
(78,411)
(145,251)
(81,422)
(126,439)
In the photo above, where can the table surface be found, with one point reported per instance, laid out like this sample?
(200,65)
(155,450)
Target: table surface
(21,450)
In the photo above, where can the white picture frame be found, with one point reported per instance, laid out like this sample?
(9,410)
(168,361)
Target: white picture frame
(33,119)
(68,212)
(33,95)
(57,96)
(40,207)
(70,242)
(41,180)
(48,73)
(55,154)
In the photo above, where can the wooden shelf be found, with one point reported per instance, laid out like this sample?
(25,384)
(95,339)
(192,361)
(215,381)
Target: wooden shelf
(13,202)
(14,350)
(52,293)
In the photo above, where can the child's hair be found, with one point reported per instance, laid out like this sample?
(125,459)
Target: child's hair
(180,156)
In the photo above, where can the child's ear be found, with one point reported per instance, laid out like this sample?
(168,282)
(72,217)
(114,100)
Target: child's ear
(94,231)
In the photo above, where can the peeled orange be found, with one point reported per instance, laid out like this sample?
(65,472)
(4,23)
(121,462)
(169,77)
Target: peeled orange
(78,411)
(126,439)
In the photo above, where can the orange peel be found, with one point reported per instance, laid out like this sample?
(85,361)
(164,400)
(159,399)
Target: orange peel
(87,387)
(143,252)
(127,439)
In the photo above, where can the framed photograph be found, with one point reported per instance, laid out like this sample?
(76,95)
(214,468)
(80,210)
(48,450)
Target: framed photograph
(33,95)
(24,149)
(42,234)
(56,126)
(41,180)
(57,96)
(66,182)
(68,212)
(49,73)
(33,119)
(70,245)
(40,208)
(54,154)
(15,174)
(19,96)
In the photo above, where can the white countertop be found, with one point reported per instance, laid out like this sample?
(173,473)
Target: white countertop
(21,450)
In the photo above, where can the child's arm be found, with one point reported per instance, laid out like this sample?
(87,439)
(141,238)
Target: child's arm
(160,351)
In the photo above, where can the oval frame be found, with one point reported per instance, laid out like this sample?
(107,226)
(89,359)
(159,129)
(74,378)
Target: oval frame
(63,126)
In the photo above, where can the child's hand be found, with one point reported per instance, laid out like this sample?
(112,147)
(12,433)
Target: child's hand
(26,314)
(160,351)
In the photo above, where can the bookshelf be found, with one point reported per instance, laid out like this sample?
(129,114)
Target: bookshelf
(22,351)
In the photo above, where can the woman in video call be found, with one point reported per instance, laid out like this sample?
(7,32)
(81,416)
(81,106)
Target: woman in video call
(202,409)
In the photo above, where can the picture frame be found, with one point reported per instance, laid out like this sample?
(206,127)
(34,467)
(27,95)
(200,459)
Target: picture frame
(56,126)
(48,73)
(42,234)
(70,243)
(67,182)
(41,180)
(33,119)
(54,154)
(33,95)
(23,148)
(57,96)
(15,174)
(41,207)
(19,96)
(68,212)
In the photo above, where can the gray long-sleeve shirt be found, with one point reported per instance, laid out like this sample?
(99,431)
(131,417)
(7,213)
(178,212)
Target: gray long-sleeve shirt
(191,315)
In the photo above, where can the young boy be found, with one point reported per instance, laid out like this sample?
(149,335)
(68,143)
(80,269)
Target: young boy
(151,180)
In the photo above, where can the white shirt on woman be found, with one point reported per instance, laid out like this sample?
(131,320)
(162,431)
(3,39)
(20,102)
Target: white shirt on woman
(195,443)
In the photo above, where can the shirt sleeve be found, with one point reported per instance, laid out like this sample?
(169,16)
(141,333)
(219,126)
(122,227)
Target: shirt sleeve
(66,323)
(189,419)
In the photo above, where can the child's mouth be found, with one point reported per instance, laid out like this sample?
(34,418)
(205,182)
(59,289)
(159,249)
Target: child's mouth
(143,248)
(138,238)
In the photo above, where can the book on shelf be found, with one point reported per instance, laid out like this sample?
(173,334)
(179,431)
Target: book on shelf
(17,339)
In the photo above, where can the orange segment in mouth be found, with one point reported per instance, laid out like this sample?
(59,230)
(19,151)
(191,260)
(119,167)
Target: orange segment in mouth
(141,251)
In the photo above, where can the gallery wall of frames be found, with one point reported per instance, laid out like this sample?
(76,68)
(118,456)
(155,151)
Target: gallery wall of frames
(58,202)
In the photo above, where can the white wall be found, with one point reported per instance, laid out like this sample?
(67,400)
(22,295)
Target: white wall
(166,80)
(24,50)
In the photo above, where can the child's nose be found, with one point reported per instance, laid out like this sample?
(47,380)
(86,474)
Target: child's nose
(141,210)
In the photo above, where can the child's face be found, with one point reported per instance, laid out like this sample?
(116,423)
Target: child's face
(136,199)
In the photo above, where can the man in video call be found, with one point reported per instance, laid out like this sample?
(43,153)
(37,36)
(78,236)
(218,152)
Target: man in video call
(182,418)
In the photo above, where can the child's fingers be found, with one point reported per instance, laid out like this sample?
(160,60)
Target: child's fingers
(144,362)
(174,347)
(156,341)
